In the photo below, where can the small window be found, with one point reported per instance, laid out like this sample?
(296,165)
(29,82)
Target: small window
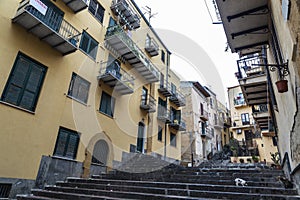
(79,88)
(159,135)
(245,118)
(88,45)
(107,104)
(66,143)
(163,56)
(173,139)
(24,83)
(97,10)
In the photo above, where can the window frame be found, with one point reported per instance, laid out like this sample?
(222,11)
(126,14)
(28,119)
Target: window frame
(71,87)
(102,11)
(159,133)
(88,51)
(173,140)
(23,88)
(66,145)
(244,117)
(112,101)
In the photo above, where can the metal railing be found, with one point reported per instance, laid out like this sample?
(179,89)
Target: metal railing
(121,5)
(165,85)
(249,66)
(239,102)
(180,122)
(261,108)
(163,112)
(117,30)
(148,100)
(203,114)
(54,21)
(178,95)
(151,43)
(116,71)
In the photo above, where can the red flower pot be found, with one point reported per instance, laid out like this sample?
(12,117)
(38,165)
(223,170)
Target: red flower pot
(282,86)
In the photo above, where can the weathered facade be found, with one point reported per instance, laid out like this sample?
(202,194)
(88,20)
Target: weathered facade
(83,85)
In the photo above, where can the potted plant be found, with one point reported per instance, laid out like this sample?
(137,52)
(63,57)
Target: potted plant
(255,159)
(282,85)
(276,160)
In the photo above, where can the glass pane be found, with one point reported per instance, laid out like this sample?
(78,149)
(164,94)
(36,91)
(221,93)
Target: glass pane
(19,75)
(93,49)
(104,101)
(83,92)
(84,42)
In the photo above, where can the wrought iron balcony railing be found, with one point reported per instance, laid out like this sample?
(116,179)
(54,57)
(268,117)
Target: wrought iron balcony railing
(165,88)
(178,124)
(49,27)
(113,75)
(76,5)
(148,103)
(163,114)
(120,43)
(203,115)
(177,98)
(151,46)
(126,13)
(262,108)
(248,66)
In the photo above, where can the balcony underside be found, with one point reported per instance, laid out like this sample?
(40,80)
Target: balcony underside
(177,127)
(152,51)
(119,86)
(76,5)
(177,101)
(164,119)
(204,118)
(115,43)
(245,24)
(44,32)
(164,91)
(262,122)
(268,133)
(148,108)
(255,90)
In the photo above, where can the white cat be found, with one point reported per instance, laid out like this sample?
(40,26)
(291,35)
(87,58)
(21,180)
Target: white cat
(239,181)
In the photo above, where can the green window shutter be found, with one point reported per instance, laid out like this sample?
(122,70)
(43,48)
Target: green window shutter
(66,143)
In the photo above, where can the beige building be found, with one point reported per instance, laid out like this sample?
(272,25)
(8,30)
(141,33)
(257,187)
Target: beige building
(196,140)
(84,84)
(265,33)
(253,140)
(223,122)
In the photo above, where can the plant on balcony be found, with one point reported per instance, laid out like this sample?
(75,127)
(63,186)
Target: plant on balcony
(255,159)
(276,160)
(282,85)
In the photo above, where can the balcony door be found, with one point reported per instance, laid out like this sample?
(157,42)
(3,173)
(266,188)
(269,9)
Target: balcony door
(140,138)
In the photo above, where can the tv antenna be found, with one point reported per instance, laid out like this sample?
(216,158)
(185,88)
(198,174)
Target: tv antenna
(149,12)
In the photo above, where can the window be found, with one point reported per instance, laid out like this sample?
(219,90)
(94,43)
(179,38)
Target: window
(97,10)
(163,56)
(173,139)
(79,88)
(66,143)
(88,45)
(245,118)
(159,135)
(107,104)
(24,83)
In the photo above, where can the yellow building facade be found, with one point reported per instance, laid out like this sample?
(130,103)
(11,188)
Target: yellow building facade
(84,84)
(251,138)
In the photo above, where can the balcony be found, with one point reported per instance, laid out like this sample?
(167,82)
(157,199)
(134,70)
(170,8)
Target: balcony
(268,133)
(163,114)
(165,89)
(51,27)
(261,115)
(148,103)
(253,79)
(239,102)
(76,5)
(126,14)
(177,98)
(151,47)
(117,41)
(178,124)
(114,76)
(204,115)
(206,133)
(219,124)
(246,24)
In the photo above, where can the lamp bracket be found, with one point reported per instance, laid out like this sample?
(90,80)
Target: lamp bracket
(283,68)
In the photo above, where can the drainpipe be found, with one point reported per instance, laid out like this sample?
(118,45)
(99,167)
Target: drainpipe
(165,149)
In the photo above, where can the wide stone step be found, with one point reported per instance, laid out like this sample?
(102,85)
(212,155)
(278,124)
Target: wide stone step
(163,188)
(31,197)
(118,194)
(178,179)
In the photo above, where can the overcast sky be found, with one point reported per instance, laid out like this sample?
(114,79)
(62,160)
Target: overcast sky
(191,19)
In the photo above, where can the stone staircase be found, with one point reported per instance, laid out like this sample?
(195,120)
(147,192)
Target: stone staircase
(173,182)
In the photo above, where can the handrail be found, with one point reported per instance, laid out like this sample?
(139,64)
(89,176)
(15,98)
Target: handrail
(179,95)
(117,30)
(127,6)
(148,100)
(115,70)
(54,21)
